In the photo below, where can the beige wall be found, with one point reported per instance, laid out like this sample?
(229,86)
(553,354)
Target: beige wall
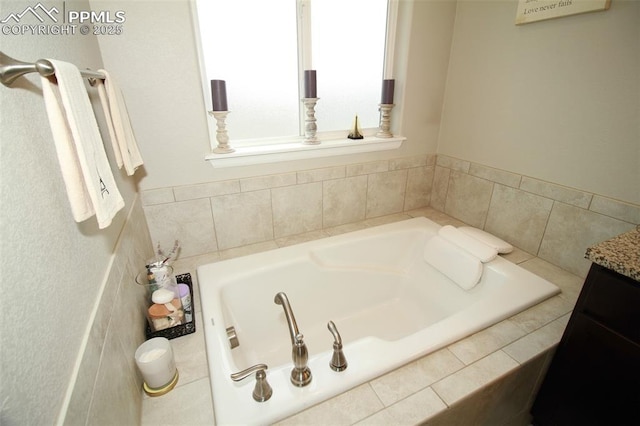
(157,63)
(557,100)
(54,271)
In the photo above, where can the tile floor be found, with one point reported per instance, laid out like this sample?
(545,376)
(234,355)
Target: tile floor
(408,395)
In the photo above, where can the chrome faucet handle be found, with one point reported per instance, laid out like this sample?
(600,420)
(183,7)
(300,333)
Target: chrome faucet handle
(262,391)
(338,360)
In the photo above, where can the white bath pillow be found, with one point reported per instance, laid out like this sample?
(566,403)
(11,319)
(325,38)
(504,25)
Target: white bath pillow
(454,262)
(489,239)
(473,245)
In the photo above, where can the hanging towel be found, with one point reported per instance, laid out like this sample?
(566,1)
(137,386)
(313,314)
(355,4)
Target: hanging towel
(87,175)
(120,130)
(474,246)
(454,262)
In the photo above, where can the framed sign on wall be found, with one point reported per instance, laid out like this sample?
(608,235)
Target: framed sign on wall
(538,10)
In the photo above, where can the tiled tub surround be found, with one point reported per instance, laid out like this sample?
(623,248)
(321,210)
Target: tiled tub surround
(228,214)
(488,378)
(550,221)
(553,222)
(107,385)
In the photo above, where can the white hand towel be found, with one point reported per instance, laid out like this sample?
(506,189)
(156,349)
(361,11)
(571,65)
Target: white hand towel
(120,130)
(468,243)
(87,175)
(454,262)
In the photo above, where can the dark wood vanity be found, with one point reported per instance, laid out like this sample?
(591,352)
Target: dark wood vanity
(594,378)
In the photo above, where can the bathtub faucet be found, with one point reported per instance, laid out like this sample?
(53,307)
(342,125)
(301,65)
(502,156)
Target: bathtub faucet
(300,375)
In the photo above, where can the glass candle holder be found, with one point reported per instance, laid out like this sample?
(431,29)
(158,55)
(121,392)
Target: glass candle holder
(163,307)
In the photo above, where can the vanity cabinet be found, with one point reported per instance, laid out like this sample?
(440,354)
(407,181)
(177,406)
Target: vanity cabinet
(594,377)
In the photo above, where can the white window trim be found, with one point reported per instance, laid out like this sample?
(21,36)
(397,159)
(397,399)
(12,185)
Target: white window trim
(296,150)
(271,150)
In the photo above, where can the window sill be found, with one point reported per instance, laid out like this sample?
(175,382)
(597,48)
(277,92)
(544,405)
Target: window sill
(249,155)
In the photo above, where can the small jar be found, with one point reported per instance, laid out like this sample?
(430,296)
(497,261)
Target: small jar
(185,298)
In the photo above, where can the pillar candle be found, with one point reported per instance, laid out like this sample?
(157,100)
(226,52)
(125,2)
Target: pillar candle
(219,95)
(155,360)
(387,91)
(310,87)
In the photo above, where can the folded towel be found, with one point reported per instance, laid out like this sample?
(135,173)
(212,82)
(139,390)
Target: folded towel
(120,130)
(474,246)
(87,174)
(491,240)
(457,264)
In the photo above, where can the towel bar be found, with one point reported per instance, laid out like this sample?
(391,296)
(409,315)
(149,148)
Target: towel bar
(11,69)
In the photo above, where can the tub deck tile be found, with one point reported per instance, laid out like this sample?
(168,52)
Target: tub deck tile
(484,342)
(464,382)
(415,376)
(409,411)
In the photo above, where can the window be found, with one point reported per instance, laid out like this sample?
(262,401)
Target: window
(262,47)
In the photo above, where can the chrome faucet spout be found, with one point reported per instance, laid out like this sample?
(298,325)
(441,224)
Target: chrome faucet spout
(281,299)
(300,375)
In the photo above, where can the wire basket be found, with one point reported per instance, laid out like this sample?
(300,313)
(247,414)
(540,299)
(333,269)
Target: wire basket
(182,329)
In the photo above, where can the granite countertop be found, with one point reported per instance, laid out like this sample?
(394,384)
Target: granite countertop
(620,254)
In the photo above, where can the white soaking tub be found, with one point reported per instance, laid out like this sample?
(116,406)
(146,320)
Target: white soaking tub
(389,305)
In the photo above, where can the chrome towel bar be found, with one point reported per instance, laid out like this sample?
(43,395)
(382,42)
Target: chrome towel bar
(12,69)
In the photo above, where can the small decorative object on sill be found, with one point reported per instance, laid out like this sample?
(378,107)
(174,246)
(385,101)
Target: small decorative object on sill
(355,130)
(310,126)
(385,121)
(221,132)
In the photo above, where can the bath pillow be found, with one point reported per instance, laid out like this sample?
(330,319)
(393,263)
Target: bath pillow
(473,245)
(457,264)
(491,240)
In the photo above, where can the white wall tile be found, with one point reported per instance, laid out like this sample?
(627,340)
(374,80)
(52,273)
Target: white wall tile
(571,230)
(190,222)
(243,218)
(367,168)
(318,175)
(344,200)
(386,193)
(556,192)
(266,182)
(468,198)
(157,196)
(616,209)
(495,175)
(205,190)
(297,209)
(518,217)
(419,187)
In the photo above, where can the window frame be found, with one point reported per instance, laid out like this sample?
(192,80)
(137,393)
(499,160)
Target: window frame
(285,148)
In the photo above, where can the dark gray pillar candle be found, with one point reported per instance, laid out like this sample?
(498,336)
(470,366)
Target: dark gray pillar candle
(387,91)
(310,85)
(219,95)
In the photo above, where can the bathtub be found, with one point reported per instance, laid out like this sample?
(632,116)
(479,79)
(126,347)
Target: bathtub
(389,306)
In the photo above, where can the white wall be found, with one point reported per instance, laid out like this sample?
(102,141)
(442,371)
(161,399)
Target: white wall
(557,100)
(157,64)
(52,268)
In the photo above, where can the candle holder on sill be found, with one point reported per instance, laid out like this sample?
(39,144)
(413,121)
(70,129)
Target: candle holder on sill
(221,133)
(385,121)
(310,127)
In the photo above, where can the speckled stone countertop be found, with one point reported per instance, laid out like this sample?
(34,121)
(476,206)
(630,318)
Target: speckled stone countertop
(620,254)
